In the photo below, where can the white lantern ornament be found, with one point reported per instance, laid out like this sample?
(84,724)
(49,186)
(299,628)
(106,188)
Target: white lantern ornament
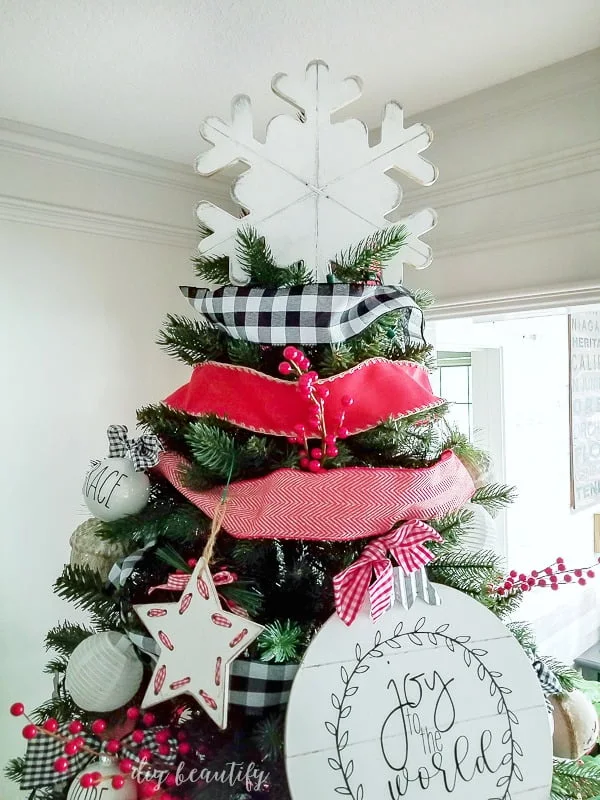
(103,672)
(118,487)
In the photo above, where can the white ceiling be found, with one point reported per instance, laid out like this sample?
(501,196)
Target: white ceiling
(142,74)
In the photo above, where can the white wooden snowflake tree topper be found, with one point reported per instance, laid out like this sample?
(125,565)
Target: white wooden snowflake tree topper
(314,188)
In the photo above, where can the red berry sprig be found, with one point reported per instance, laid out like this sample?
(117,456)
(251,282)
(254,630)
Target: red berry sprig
(312,458)
(553,576)
(75,745)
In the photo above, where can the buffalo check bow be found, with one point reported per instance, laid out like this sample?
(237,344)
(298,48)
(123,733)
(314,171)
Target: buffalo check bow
(143,452)
(405,545)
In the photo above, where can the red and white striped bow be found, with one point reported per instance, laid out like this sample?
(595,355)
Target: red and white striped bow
(406,546)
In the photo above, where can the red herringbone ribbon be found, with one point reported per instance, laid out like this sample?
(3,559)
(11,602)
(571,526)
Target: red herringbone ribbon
(406,546)
(334,505)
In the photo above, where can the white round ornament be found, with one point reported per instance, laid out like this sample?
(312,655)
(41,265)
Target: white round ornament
(103,672)
(481,533)
(427,703)
(103,790)
(114,489)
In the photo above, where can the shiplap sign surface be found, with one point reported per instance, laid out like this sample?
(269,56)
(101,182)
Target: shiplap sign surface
(433,703)
(315,187)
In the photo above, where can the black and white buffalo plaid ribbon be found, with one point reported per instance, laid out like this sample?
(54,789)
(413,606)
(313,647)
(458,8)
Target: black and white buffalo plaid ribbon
(407,588)
(548,680)
(318,313)
(118,576)
(42,752)
(144,452)
(256,686)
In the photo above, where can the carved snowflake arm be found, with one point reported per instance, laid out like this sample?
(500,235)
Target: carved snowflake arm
(232,143)
(317,95)
(400,146)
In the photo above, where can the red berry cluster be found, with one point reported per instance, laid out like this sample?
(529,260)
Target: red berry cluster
(553,577)
(313,458)
(75,743)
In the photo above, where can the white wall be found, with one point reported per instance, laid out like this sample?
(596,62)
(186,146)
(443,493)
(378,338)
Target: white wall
(540,525)
(518,196)
(93,246)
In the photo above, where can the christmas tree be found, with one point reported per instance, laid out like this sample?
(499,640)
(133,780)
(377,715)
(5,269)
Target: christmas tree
(306,470)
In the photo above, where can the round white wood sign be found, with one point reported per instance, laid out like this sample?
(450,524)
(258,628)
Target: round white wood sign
(432,703)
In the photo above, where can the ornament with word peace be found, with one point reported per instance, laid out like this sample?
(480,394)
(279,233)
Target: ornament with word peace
(431,703)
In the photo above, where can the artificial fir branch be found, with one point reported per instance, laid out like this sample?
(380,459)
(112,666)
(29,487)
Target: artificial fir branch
(213,449)
(423,298)
(15,769)
(575,779)
(257,261)
(213,269)
(244,354)
(191,341)
(282,642)
(494,497)
(175,520)
(56,665)
(65,637)
(467,572)
(568,677)
(268,736)
(523,633)
(167,423)
(452,528)
(85,589)
(362,261)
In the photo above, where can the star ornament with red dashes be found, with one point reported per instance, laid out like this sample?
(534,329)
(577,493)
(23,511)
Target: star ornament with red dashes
(198,641)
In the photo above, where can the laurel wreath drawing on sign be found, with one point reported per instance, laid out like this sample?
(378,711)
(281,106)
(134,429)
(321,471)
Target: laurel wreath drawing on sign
(472,658)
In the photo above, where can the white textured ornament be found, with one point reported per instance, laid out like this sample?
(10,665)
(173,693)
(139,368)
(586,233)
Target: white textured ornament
(426,704)
(114,489)
(314,187)
(481,533)
(103,672)
(103,790)
(198,640)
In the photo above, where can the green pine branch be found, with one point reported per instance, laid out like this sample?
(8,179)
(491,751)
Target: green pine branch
(177,522)
(256,258)
(423,298)
(452,528)
(244,354)
(55,665)
(85,589)
(191,341)
(268,736)
(213,449)
(468,572)
(168,423)
(213,269)
(523,633)
(15,769)
(575,779)
(65,637)
(568,677)
(474,458)
(494,497)
(282,642)
(360,262)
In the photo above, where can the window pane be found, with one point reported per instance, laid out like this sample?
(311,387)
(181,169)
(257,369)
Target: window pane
(456,384)
(460,415)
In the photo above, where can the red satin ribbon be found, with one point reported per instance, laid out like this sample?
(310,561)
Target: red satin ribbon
(333,505)
(380,389)
(406,546)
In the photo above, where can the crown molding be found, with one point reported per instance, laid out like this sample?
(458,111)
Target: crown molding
(516,96)
(49,215)
(557,226)
(61,148)
(524,301)
(524,174)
